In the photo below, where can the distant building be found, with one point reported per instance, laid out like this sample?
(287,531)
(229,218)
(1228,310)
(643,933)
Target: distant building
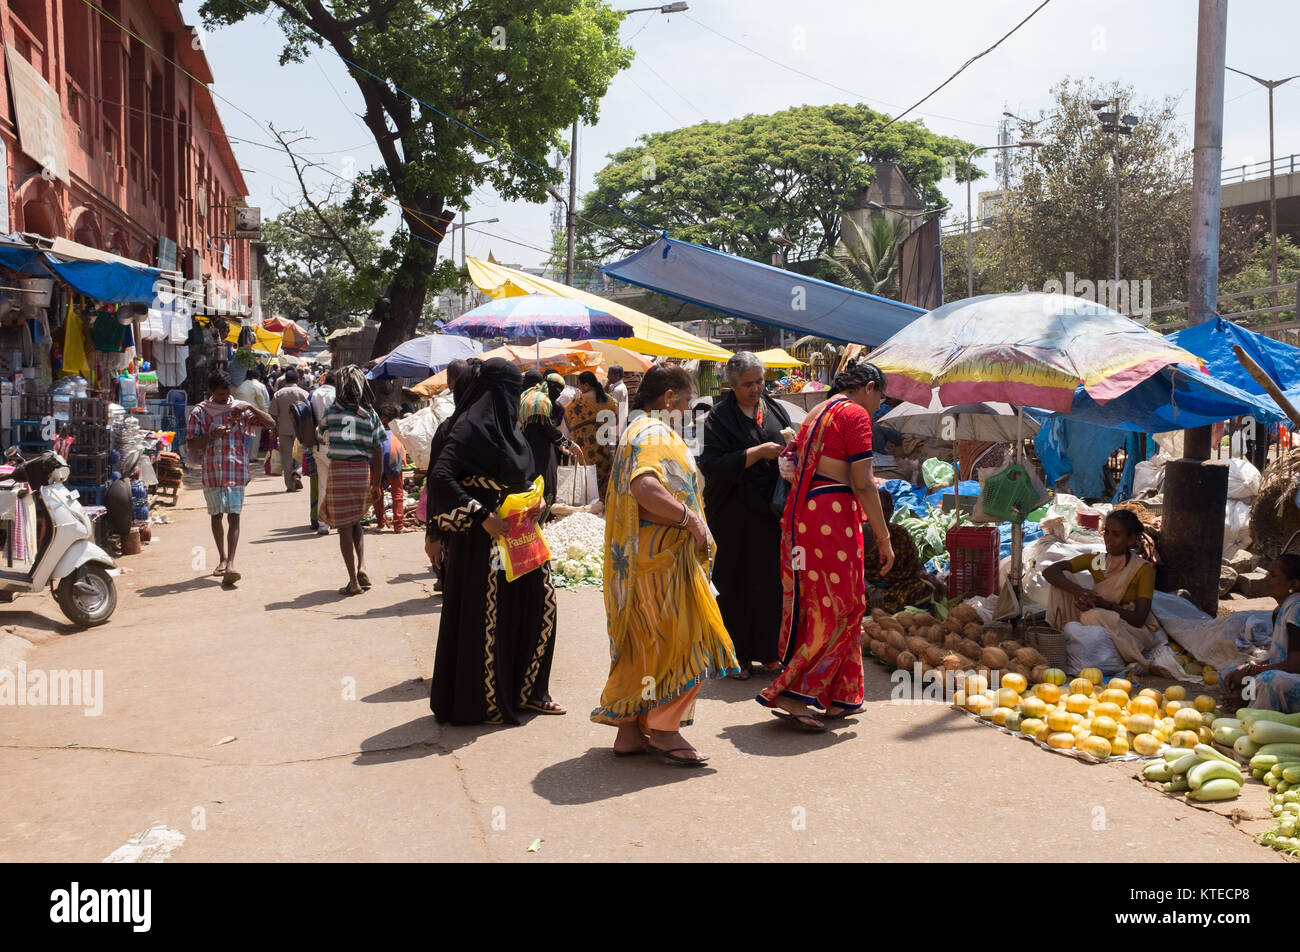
(109,143)
(990,206)
(890,195)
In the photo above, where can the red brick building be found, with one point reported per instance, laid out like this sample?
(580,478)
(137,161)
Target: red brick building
(122,150)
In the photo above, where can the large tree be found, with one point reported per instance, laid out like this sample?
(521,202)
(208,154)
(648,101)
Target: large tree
(323,266)
(749,185)
(1059,216)
(516,71)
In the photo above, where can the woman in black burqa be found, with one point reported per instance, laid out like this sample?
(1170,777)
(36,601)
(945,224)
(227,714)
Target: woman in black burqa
(496,638)
(742,438)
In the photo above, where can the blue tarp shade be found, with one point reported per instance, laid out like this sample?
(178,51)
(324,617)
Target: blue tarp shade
(759,292)
(1068,446)
(108,281)
(1177,397)
(23,258)
(1212,341)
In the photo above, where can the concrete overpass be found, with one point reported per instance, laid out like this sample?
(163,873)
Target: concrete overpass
(1245,191)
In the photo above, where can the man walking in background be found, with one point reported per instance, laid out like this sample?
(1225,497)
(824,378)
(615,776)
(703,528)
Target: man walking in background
(322,398)
(253,392)
(282,404)
(618,390)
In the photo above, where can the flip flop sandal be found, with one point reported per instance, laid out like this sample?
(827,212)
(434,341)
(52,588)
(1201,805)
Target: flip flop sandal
(219,571)
(363,580)
(541,707)
(678,761)
(803,721)
(846,712)
(744,675)
(347,592)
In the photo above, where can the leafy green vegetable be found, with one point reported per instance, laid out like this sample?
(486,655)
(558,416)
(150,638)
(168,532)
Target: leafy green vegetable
(929,532)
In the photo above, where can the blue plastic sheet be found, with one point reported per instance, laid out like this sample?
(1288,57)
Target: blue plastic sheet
(759,292)
(905,495)
(970,488)
(1067,446)
(1213,340)
(108,281)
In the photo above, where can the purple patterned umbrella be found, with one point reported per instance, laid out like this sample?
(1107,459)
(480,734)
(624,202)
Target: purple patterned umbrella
(538,315)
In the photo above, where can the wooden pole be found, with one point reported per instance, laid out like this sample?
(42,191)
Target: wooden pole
(1264,380)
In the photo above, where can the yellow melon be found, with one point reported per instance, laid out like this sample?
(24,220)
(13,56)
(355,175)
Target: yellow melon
(1030,726)
(1173,707)
(1108,709)
(1059,720)
(1033,707)
(1099,747)
(1081,686)
(1007,697)
(1061,741)
(958,698)
(1042,733)
(1175,692)
(1153,694)
(1210,676)
(1142,704)
(1113,696)
(1016,682)
(1053,676)
(1048,692)
(1075,717)
(1187,719)
(1092,674)
(1139,723)
(1206,735)
(1119,746)
(1120,684)
(977,684)
(1185,739)
(1000,715)
(1104,727)
(1147,744)
(1203,703)
(1078,703)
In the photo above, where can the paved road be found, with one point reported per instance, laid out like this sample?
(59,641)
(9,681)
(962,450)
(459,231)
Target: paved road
(336,757)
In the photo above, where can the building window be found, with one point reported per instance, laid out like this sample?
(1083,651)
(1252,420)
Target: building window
(27,17)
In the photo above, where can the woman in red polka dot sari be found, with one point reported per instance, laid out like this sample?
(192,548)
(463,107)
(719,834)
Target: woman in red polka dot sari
(824,594)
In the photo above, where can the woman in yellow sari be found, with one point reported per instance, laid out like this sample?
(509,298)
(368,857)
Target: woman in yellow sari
(592,419)
(1123,587)
(666,635)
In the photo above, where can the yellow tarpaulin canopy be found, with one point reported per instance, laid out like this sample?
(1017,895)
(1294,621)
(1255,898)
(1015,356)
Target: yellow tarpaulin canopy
(778,357)
(650,336)
(267,341)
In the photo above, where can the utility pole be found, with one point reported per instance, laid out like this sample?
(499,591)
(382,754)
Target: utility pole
(1191,544)
(571,219)
(1270,85)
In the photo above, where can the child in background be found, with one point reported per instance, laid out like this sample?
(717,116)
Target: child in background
(394,459)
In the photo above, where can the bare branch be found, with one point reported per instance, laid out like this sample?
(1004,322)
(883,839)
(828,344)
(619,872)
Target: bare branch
(306,196)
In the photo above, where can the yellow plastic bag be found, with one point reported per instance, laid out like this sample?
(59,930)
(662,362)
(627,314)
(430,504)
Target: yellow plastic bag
(522,548)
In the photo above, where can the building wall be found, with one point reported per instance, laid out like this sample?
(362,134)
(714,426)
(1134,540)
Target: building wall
(147,155)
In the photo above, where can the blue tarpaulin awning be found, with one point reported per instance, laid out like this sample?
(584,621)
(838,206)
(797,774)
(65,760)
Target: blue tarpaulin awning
(761,293)
(107,280)
(1212,341)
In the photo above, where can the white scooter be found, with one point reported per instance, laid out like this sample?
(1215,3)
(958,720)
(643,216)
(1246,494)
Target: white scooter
(46,539)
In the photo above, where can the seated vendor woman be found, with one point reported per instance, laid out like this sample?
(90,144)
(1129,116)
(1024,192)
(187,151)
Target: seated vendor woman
(1120,597)
(1275,684)
(906,582)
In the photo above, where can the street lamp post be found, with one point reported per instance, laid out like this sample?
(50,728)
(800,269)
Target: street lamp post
(1120,125)
(462,226)
(1270,85)
(970,261)
(571,218)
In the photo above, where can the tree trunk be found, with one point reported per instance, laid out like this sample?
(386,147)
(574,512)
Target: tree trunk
(398,311)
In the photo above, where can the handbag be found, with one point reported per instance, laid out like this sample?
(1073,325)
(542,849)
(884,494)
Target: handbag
(576,485)
(780,492)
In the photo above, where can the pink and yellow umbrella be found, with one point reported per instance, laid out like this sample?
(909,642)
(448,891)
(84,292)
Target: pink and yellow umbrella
(1029,349)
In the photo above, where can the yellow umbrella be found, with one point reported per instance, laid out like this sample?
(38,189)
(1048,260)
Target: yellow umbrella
(778,357)
(650,336)
(267,341)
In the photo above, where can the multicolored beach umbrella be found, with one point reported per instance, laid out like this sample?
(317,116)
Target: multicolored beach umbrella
(1029,349)
(538,316)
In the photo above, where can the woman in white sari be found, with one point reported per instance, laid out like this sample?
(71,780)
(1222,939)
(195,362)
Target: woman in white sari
(1123,586)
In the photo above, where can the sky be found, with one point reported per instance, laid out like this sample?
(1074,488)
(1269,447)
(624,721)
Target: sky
(723,59)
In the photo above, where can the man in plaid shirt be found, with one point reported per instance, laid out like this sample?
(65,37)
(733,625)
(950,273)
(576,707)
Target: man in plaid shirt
(216,431)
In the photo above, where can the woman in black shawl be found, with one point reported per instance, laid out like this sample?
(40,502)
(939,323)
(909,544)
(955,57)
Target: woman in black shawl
(742,439)
(496,638)
(543,436)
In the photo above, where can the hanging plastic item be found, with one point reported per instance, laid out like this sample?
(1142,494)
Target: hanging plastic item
(1008,494)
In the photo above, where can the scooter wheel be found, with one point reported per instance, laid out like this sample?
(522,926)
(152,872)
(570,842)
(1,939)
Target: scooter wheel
(87,596)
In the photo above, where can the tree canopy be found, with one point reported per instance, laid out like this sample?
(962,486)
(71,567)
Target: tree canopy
(517,71)
(748,185)
(1059,216)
